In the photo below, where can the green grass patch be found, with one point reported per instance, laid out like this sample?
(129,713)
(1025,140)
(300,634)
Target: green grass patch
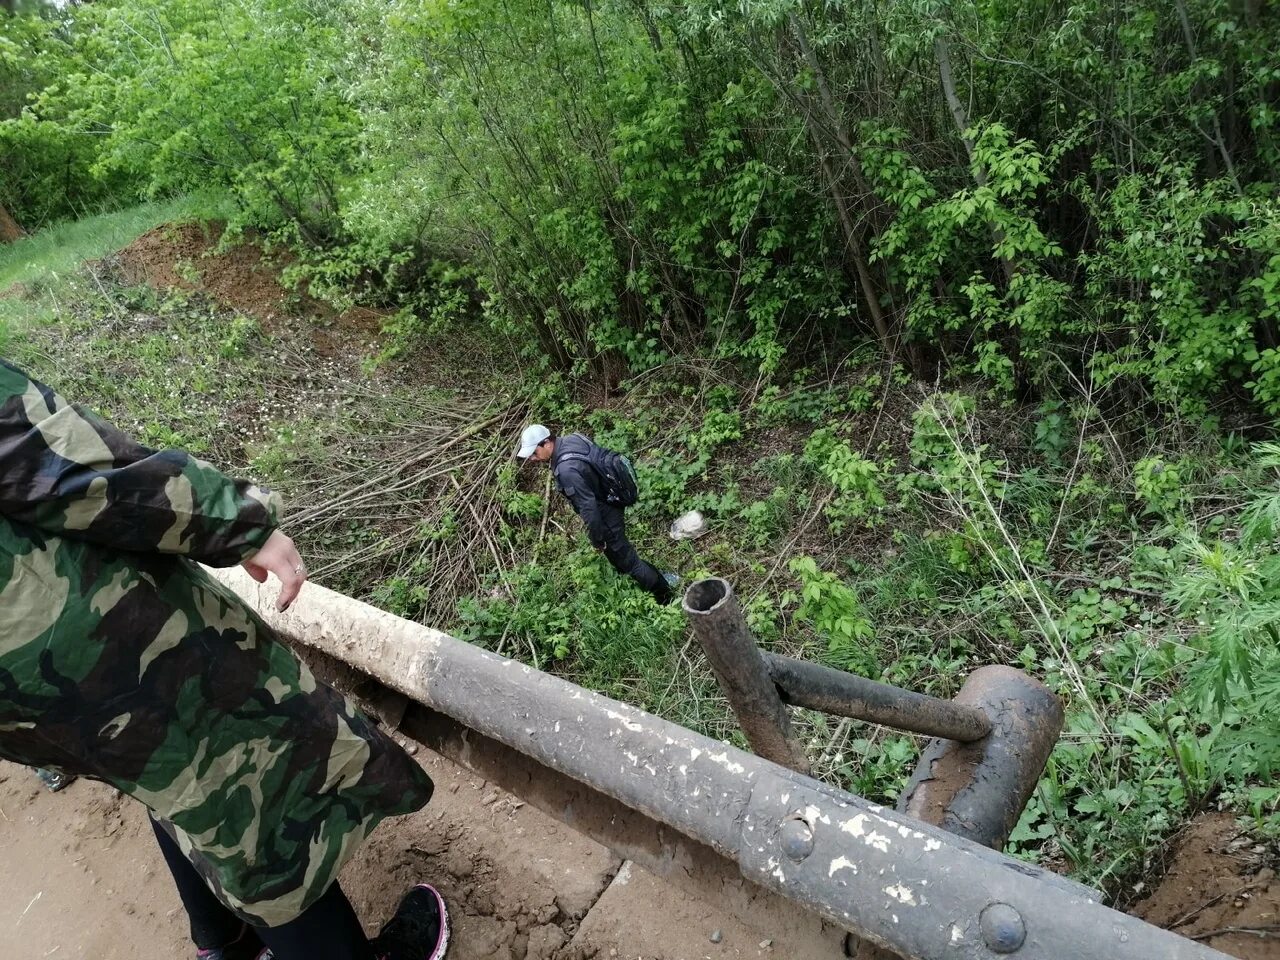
(55,252)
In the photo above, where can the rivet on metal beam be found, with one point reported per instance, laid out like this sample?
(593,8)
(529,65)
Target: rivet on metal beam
(796,838)
(1002,928)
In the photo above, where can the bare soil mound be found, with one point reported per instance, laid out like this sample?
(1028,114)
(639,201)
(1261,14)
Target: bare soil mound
(1221,889)
(243,278)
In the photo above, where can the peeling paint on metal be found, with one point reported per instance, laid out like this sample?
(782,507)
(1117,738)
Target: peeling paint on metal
(624,720)
(901,894)
(723,759)
(856,826)
(775,870)
(841,863)
(813,814)
(878,840)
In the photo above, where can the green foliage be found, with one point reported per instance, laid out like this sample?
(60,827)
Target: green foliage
(878,767)
(808,404)
(1158,486)
(1051,438)
(184,95)
(612,185)
(570,610)
(832,607)
(856,480)
(47,173)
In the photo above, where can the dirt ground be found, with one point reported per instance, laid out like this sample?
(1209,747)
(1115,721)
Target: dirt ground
(83,878)
(1221,888)
(242,278)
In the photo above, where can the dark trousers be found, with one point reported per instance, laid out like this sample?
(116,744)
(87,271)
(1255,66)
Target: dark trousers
(327,930)
(623,556)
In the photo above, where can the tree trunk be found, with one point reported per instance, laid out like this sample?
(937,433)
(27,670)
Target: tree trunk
(888,330)
(10,230)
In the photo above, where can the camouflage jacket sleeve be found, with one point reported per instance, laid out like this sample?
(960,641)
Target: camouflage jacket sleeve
(66,471)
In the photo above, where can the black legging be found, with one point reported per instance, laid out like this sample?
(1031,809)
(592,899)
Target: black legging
(327,930)
(621,554)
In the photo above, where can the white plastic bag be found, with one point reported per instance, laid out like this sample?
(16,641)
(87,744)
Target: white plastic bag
(689,526)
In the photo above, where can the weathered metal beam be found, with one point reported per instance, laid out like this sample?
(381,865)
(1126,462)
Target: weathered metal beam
(684,863)
(817,687)
(978,790)
(721,629)
(905,885)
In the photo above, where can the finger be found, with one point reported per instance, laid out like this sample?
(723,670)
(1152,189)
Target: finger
(290,583)
(257,571)
(293,574)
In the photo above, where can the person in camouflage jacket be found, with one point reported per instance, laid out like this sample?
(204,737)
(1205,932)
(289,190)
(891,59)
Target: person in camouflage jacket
(123,661)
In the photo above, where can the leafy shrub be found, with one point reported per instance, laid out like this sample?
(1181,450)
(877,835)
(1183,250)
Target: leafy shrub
(832,608)
(858,494)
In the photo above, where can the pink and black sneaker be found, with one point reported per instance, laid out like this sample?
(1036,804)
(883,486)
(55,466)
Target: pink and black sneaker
(247,946)
(418,931)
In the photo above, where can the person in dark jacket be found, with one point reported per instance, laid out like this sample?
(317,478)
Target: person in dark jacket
(574,461)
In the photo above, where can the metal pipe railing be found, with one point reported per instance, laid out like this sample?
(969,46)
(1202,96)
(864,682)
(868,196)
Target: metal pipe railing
(991,743)
(818,687)
(909,887)
(721,629)
(978,790)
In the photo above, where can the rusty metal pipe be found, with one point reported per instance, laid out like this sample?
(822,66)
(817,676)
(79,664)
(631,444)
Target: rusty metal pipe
(812,685)
(978,790)
(721,629)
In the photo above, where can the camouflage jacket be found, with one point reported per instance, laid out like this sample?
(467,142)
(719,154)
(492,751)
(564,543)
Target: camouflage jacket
(122,660)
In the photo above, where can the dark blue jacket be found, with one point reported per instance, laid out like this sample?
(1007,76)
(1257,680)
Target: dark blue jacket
(578,480)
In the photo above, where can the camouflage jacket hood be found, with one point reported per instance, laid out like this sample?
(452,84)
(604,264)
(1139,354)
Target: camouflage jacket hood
(122,660)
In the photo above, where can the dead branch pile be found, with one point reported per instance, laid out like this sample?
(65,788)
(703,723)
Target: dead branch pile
(414,502)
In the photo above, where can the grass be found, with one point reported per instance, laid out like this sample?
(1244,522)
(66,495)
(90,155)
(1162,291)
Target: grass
(56,252)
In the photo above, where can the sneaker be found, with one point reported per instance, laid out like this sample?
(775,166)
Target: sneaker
(247,946)
(418,931)
(233,953)
(55,780)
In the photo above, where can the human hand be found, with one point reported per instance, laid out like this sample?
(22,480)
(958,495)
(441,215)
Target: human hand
(279,556)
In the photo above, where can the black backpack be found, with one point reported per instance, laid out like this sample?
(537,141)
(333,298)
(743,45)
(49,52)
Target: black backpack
(617,476)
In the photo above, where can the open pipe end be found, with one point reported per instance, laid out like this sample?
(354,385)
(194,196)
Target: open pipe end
(705,596)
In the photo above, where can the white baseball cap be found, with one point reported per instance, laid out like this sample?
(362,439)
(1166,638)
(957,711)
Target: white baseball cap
(530,438)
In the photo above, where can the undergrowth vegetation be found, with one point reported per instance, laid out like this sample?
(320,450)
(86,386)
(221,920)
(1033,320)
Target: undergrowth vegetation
(903,533)
(957,321)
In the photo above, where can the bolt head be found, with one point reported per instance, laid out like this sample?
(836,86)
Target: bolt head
(796,838)
(1002,928)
